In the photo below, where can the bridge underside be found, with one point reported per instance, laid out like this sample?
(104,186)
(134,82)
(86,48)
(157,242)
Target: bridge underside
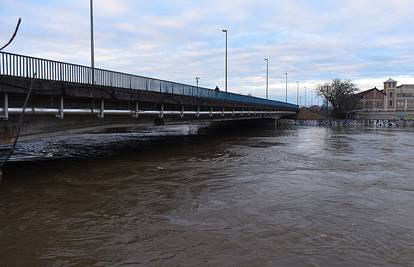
(61,107)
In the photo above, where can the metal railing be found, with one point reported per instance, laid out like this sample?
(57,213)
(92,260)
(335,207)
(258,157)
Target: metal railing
(26,66)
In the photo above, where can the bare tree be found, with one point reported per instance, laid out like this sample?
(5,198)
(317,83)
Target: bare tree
(338,93)
(13,36)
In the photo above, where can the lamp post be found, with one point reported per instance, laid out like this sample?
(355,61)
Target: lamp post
(92,46)
(305,96)
(267,78)
(311,97)
(297,93)
(286,85)
(197,79)
(225,83)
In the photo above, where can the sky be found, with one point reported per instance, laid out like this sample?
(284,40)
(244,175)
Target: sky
(314,41)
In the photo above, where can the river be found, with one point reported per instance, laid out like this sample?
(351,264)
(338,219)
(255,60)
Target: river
(304,196)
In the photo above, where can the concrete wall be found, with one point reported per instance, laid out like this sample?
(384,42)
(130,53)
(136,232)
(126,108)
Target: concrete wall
(390,115)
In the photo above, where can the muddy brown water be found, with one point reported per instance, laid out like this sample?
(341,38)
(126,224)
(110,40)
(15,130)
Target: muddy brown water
(303,196)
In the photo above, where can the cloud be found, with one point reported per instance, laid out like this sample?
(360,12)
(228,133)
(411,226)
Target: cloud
(314,41)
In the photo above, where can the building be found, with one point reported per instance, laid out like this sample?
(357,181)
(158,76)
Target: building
(370,100)
(392,103)
(405,97)
(399,98)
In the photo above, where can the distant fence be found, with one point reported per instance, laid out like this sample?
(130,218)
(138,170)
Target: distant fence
(25,66)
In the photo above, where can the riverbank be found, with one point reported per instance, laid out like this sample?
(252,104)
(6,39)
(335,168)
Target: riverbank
(355,123)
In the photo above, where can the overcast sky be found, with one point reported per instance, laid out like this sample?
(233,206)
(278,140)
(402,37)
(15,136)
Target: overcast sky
(366,41)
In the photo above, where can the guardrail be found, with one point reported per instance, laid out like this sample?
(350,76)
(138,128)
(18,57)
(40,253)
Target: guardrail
(26,66)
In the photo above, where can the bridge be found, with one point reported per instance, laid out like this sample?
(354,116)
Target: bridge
(65,98)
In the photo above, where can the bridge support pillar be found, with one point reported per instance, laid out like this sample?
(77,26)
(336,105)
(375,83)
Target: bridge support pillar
(162,112)
(102,110)
(6,107)
(136,112)
(60,116)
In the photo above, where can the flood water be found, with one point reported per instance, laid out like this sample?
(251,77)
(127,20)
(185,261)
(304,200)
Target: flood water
(303,196)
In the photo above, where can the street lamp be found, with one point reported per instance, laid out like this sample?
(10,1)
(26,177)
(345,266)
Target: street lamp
(286,85)
(197,79)
(225,31)
(267,78)
(297,93)
(92,45)
(311,97)
(305,96)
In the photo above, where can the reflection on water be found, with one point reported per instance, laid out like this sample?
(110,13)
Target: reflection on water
(301,197)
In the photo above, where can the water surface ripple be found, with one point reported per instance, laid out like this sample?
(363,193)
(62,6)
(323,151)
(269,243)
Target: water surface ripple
(293,197)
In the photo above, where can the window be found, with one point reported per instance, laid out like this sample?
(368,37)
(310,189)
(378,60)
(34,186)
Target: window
(391,94)
(400,105)
(390,103)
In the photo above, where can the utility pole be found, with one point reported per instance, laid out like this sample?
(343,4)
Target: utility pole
(225,75)
(267,78)
(92,45)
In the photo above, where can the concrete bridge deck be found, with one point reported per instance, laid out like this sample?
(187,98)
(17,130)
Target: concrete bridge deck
(67,97)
